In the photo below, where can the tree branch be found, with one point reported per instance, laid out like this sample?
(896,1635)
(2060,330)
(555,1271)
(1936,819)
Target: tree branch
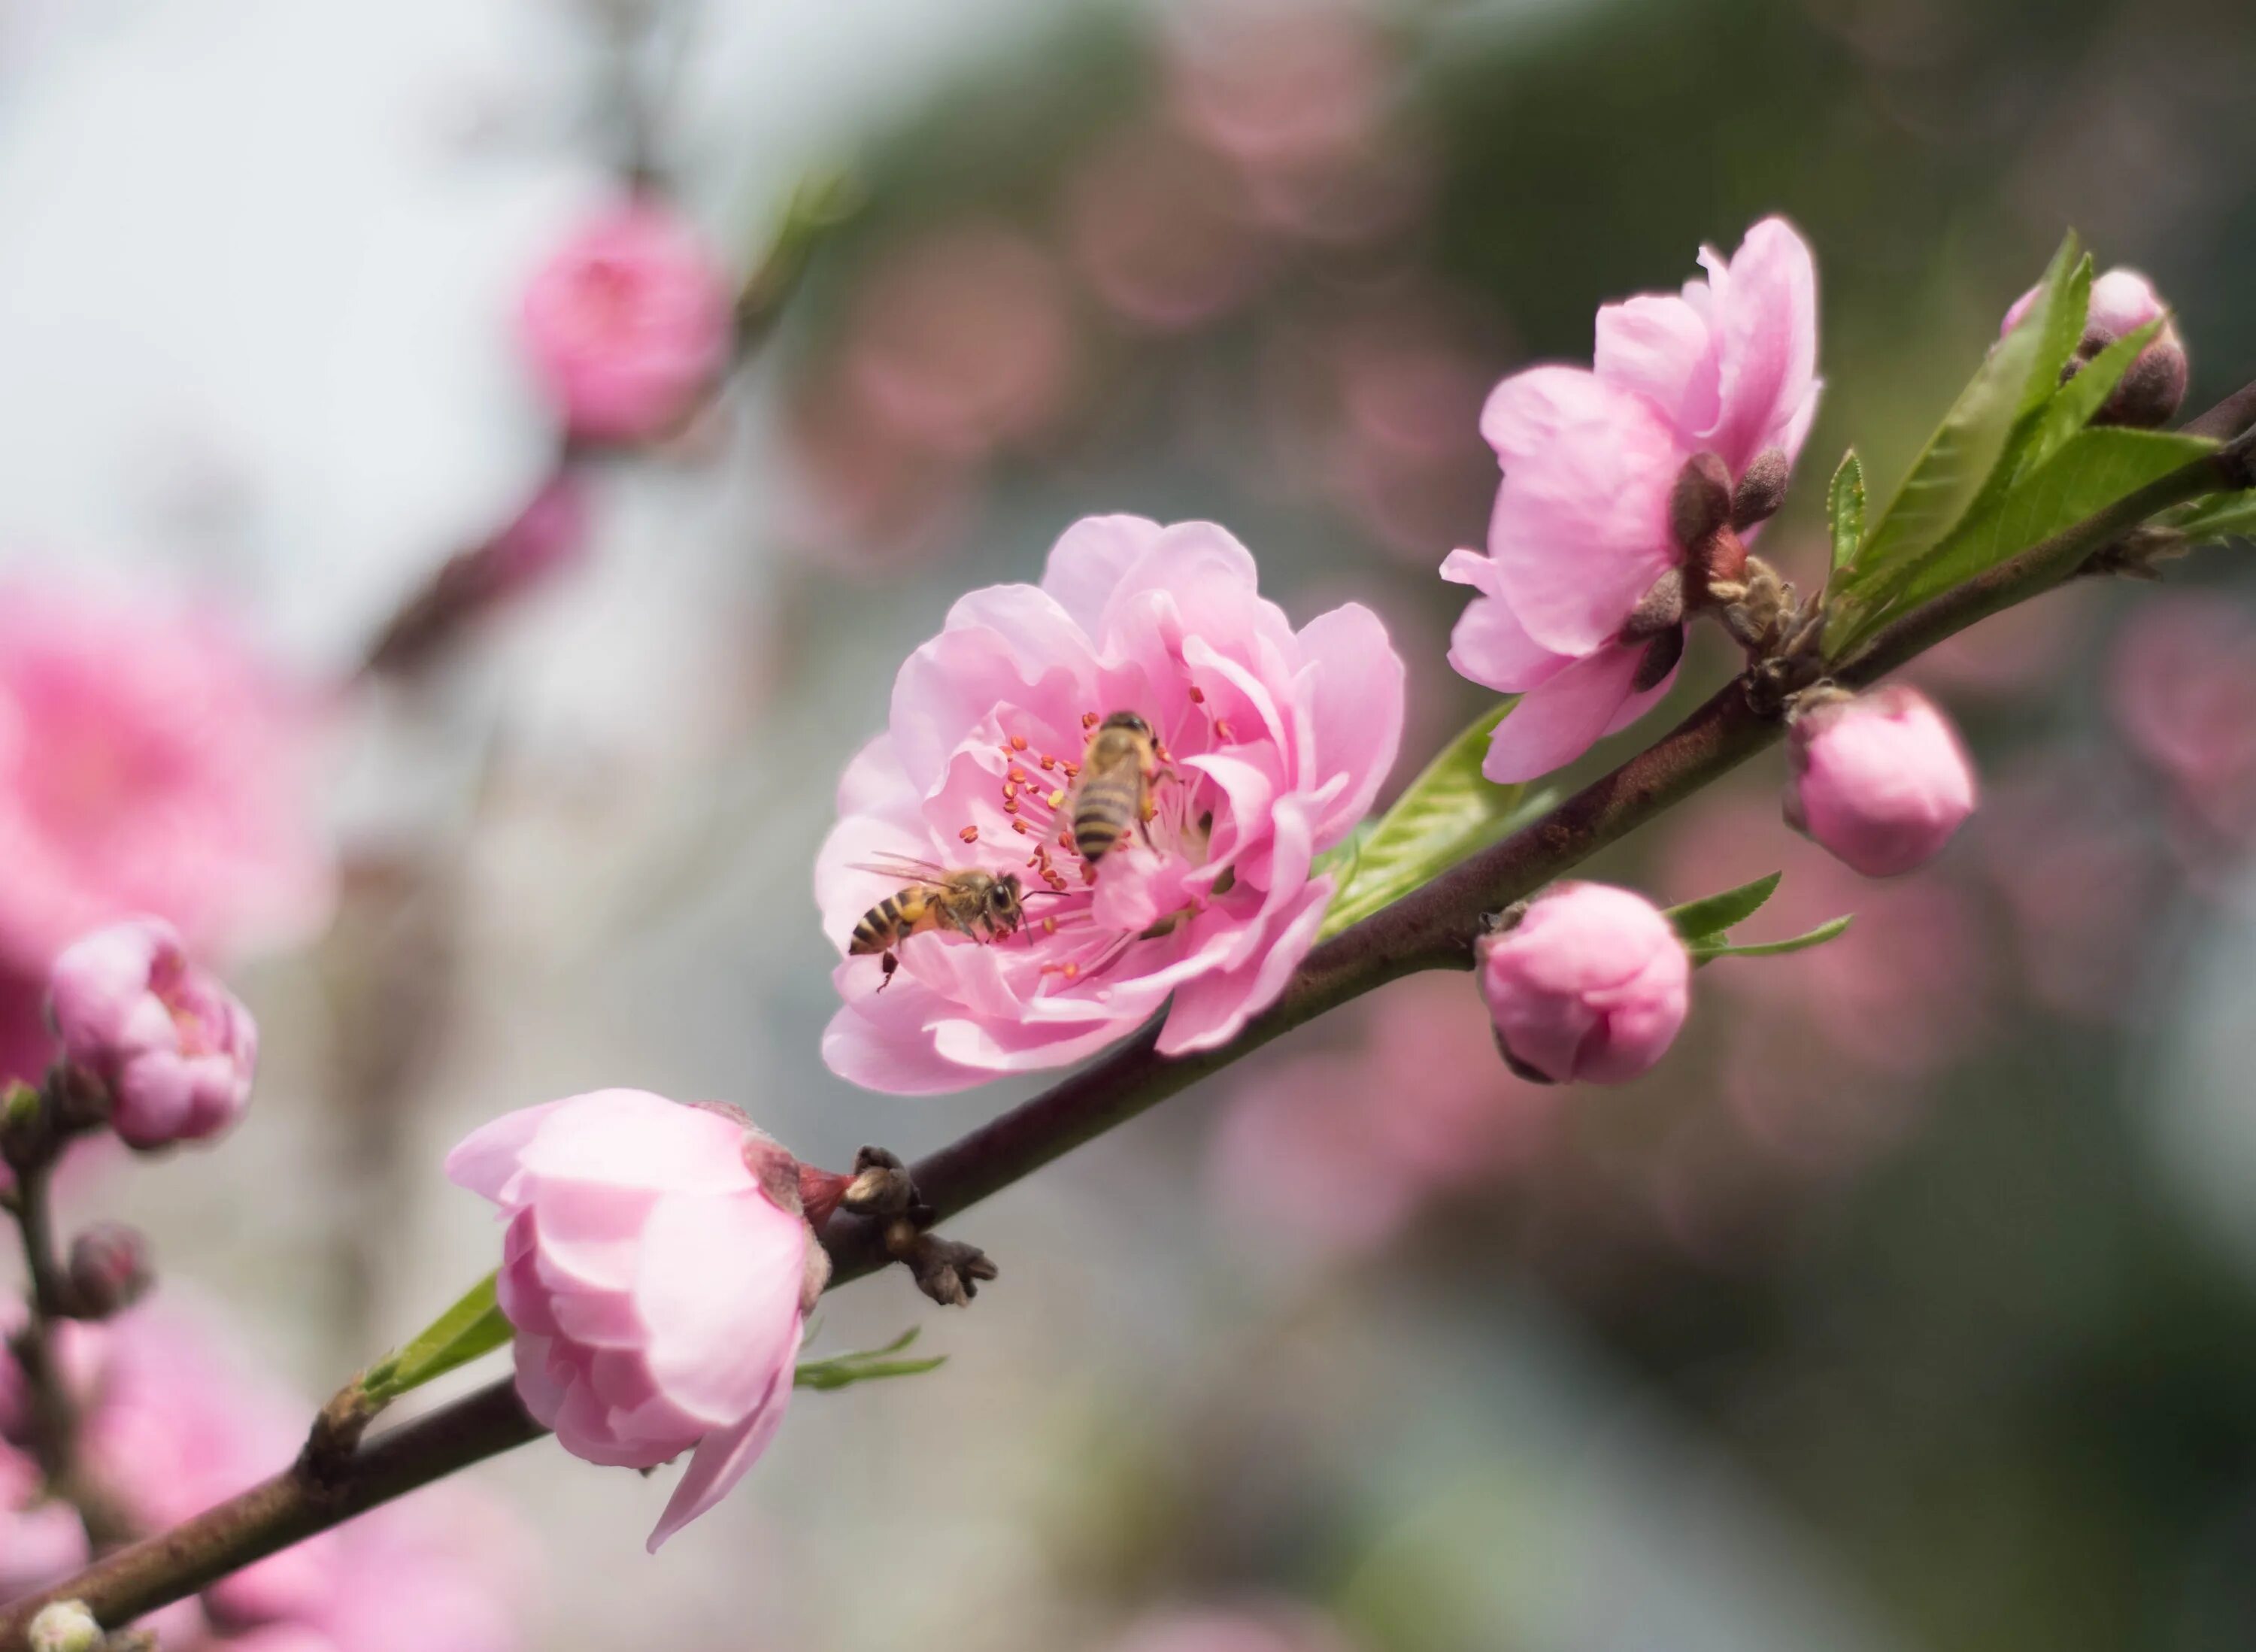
(1433,927)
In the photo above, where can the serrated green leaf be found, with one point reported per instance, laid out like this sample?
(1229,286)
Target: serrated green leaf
(872,1364)
(1977,440)
(2073,405)
(1706,951)
(1449,811)
(473,1326)
(1844,509)
(2223,516)
(1700,920)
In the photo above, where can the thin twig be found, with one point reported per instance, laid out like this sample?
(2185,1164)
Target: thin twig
(1432,927)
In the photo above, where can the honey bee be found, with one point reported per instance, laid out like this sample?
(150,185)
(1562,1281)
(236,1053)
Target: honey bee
(931,897)
(1112,795)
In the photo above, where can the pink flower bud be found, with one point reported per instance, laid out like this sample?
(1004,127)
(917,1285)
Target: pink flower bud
(1592,984)
(628,324)
(173,1046)
(2122,302)
(658,1271)
(1880,780)
(108,1270)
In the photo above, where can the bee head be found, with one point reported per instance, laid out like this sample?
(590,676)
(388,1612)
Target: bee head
(1129,721)
(1004,912)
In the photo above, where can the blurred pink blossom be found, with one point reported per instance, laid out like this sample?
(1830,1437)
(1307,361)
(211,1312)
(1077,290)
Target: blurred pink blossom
(629,322)
(26,1046)
(149,763)
(2181,684)
(1881,781)
(173,1046)
(962,341)
(1582,528)
(1163,232)
(1275,743)
(41,1539)
(1339,1149)
(2020,652)
(1277,83)
(658,1272)
(1592,985)
(1258,1626)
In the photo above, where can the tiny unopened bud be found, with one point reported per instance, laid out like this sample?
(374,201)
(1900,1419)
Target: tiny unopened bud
(881,1184)
(2147,396)
(64,1625)
(1660,609)
(1660,658)
(110,1269)
(1879,779)
(1700,501)
(1592,984)
(2122,302)
(948,1272)
(19,1118)
(1762,489)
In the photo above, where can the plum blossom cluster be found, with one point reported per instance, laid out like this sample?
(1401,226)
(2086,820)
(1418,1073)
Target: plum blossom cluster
(1270,743)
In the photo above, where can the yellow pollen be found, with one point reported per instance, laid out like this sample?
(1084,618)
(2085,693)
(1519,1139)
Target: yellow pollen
(1050,926)
(1054,799)
(1070,970)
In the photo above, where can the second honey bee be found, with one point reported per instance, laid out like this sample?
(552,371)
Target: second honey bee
(1113,795)
(968,901)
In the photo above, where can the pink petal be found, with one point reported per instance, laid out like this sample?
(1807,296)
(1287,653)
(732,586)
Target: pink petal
(719,1291)
(1767,321)
(1489,646)
(1354,688)
(1087,561)
(722,1458)
(1556,724)
(1660,345)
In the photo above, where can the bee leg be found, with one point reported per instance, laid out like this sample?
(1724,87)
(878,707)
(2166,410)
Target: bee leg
(887,965)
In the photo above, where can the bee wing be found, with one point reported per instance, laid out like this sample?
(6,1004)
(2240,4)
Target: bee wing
(906,868)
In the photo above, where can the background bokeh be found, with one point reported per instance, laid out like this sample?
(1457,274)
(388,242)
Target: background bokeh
(1910,1304)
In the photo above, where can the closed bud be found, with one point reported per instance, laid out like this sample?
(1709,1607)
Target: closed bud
(64,1625)
(108,1270)
(1879,780)
(2122,302)
(1762,489)
(1658,660)
(1591,984)
(1700,501)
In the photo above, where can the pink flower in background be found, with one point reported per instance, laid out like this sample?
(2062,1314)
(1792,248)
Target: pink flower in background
(148,763)
(1590,985)
(1275,742)
(173,1046)
(1582,526)
(1262,1626)
(962,342)
(658,1272)
(2122,302)
(26,1046)
(2181,685)
(1338,1148)
(41,1539)
(448,1572)
(1880,780)
(1162,232)
(628,323)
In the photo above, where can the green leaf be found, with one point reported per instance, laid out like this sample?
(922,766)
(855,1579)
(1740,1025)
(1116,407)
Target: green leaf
(1714,947)
(1979,437)
(473,1326)
(1450,811)
(2222,516)
(1700,920)
(1844,509)
(873,1365)
(2073,403)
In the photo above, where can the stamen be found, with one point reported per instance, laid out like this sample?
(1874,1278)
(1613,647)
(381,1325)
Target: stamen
(1020,827)
(1089,719)
(969,834)
(1198,694)
(1072,770)
(1018,743)
(1222,729)
(1055,799)
(1019,777)
(1049,762)
(1010,804)
(1050,926)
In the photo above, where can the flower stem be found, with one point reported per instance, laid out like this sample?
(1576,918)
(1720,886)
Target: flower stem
(1433,927)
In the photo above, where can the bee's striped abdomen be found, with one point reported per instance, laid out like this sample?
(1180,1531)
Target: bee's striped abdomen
(1104,812)
(885,925)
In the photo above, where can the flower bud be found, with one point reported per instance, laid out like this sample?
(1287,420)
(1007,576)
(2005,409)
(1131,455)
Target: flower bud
(174,1047)
(1762,489)
(1592,984)
(1700,500)
(1880,780)
(64,1625)
(108,1270)
(2122,302)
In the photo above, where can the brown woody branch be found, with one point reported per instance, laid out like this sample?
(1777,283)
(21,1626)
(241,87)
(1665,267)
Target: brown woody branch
(1432,927)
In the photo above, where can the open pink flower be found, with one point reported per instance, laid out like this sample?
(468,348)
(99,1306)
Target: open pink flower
(148,763)
(174,1048)
(629,322)
(1274,742)
(1581,530)
(658,1271)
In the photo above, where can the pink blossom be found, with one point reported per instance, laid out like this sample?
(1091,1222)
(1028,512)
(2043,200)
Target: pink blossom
(1163,233)
(2122,302)
(1880,780)
(1592,984)
(148,763)
(1259,1626)
(26,1046)
(658,1272)
(41,1538)
(1338,1148)
(1582,526)
(174,1048)
(962,342)
(1274,743)
(2181,687)
(628,323)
